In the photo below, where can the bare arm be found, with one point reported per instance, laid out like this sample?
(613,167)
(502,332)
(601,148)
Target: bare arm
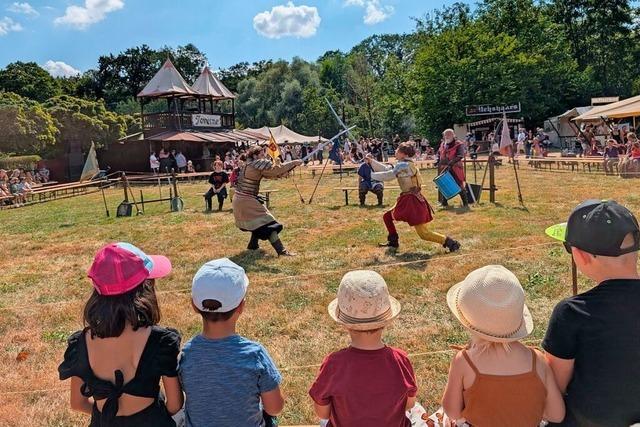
(453,401)
(322,411)
(562,370)
(554,409)
(173,394)
(411,401)
(77,400)
(273,401)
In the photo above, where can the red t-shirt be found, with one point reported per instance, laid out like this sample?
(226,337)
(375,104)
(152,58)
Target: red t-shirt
(365,387)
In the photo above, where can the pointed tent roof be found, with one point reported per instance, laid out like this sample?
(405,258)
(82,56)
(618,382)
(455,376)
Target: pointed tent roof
(208,84)
(166,82)
(284,135)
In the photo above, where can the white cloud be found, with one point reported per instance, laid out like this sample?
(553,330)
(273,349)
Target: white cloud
(93,11)
(375,12)
(287,20)
(60,69)
(23,8)
(8,25)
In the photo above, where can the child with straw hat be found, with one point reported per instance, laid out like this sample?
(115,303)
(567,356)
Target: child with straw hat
(497,381)
(367,383)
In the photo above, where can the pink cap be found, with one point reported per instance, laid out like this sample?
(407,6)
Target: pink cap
(120,267)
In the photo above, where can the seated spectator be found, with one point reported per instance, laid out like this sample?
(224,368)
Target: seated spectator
(635,152)
(218,181)
(366,184)
(190,168)
(117,361)
(181,162)
(367,383)
(611,156)
(496,380)
(44,173)
(229,381)
(4,178)
(592,339)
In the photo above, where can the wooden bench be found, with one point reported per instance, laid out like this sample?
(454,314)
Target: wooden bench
(267,196)
(347,189)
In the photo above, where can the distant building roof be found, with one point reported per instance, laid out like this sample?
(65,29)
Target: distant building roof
(208,84)
(221,136)
(284,135)
(166,82)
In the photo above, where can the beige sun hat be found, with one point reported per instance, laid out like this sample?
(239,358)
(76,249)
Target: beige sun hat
(490,303)
(363,302)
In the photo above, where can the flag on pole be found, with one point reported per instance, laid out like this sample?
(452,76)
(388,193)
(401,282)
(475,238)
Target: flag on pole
(506,145)
(272,147)
(91,167)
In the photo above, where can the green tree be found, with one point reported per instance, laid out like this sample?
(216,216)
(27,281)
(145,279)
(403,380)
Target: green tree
(28,79)
(26,127)
(82,121)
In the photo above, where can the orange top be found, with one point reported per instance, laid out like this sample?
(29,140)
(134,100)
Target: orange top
(635,153)
(505,400)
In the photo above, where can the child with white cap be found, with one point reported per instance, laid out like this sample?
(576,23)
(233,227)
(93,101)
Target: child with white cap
(367,383)
(497,381)
(229,381)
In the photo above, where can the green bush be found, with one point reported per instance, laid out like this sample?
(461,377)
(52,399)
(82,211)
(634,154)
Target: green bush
(19,162)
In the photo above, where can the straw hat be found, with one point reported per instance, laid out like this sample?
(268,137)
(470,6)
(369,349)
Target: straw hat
(490,303)
(363,302)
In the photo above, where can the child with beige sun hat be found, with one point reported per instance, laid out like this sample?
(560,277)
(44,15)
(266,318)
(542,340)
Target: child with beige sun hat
(367,383)
(497,381)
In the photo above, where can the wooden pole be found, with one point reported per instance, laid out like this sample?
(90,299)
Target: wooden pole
(574,277)
(492,179)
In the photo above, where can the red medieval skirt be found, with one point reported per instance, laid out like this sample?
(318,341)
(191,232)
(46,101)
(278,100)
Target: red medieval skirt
(413,209)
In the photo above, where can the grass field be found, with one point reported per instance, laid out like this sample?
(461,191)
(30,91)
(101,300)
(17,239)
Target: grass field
(46,250)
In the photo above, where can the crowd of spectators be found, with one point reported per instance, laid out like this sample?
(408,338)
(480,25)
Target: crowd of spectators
(16,184)
(586,376)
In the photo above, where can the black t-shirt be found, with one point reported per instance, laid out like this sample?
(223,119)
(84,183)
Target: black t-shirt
(600,329)
(218,179)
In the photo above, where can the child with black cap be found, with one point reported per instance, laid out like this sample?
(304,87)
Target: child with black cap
(593,339)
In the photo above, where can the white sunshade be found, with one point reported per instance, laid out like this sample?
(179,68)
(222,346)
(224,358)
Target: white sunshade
(208,84)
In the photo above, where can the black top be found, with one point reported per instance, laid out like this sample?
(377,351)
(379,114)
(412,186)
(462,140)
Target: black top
(600,329)
(218,179)
(159,358)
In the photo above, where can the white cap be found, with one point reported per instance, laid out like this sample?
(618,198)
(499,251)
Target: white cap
(221,280)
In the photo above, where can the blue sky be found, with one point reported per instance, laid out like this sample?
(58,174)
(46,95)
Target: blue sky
(68,35)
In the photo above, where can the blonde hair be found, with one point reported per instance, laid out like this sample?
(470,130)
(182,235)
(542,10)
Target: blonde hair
(483,345)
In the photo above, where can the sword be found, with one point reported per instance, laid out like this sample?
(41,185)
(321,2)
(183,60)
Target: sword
(324,144)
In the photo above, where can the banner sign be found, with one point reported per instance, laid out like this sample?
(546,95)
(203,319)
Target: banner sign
(487,110)
(206,120)
(604,100)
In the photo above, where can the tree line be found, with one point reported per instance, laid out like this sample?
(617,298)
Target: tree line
(549,55)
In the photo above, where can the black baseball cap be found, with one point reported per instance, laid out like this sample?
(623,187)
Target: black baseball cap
(599,228)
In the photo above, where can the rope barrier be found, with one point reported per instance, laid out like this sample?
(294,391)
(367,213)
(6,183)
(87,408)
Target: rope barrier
(286,369)
(310,275)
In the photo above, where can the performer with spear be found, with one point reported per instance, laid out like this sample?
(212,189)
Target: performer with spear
(411,206)
(249,210)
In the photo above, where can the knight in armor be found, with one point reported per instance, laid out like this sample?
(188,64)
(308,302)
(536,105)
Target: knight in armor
(411,206)
(450,155)
(249,210)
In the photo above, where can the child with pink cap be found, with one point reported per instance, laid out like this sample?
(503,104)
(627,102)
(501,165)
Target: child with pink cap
(117,361)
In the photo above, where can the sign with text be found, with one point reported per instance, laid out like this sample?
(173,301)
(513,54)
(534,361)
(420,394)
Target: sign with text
(487,110)
(206,120)
(603,100)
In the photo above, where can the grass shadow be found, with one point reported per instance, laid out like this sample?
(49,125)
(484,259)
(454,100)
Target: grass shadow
(250,261)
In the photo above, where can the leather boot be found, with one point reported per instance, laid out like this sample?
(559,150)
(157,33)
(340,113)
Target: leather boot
(464,197)
(379,194)
(208,205)
(392,242)
(452,245)
(280,249)
(253,243)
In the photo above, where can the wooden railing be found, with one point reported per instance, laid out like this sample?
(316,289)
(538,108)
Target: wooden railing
(182,121)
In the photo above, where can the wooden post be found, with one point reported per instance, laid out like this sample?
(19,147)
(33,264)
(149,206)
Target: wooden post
(492,179)
(574,277)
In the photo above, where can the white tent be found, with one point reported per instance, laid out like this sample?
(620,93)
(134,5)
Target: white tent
(561,128)
(208,84)
(166,82)
(284,135)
